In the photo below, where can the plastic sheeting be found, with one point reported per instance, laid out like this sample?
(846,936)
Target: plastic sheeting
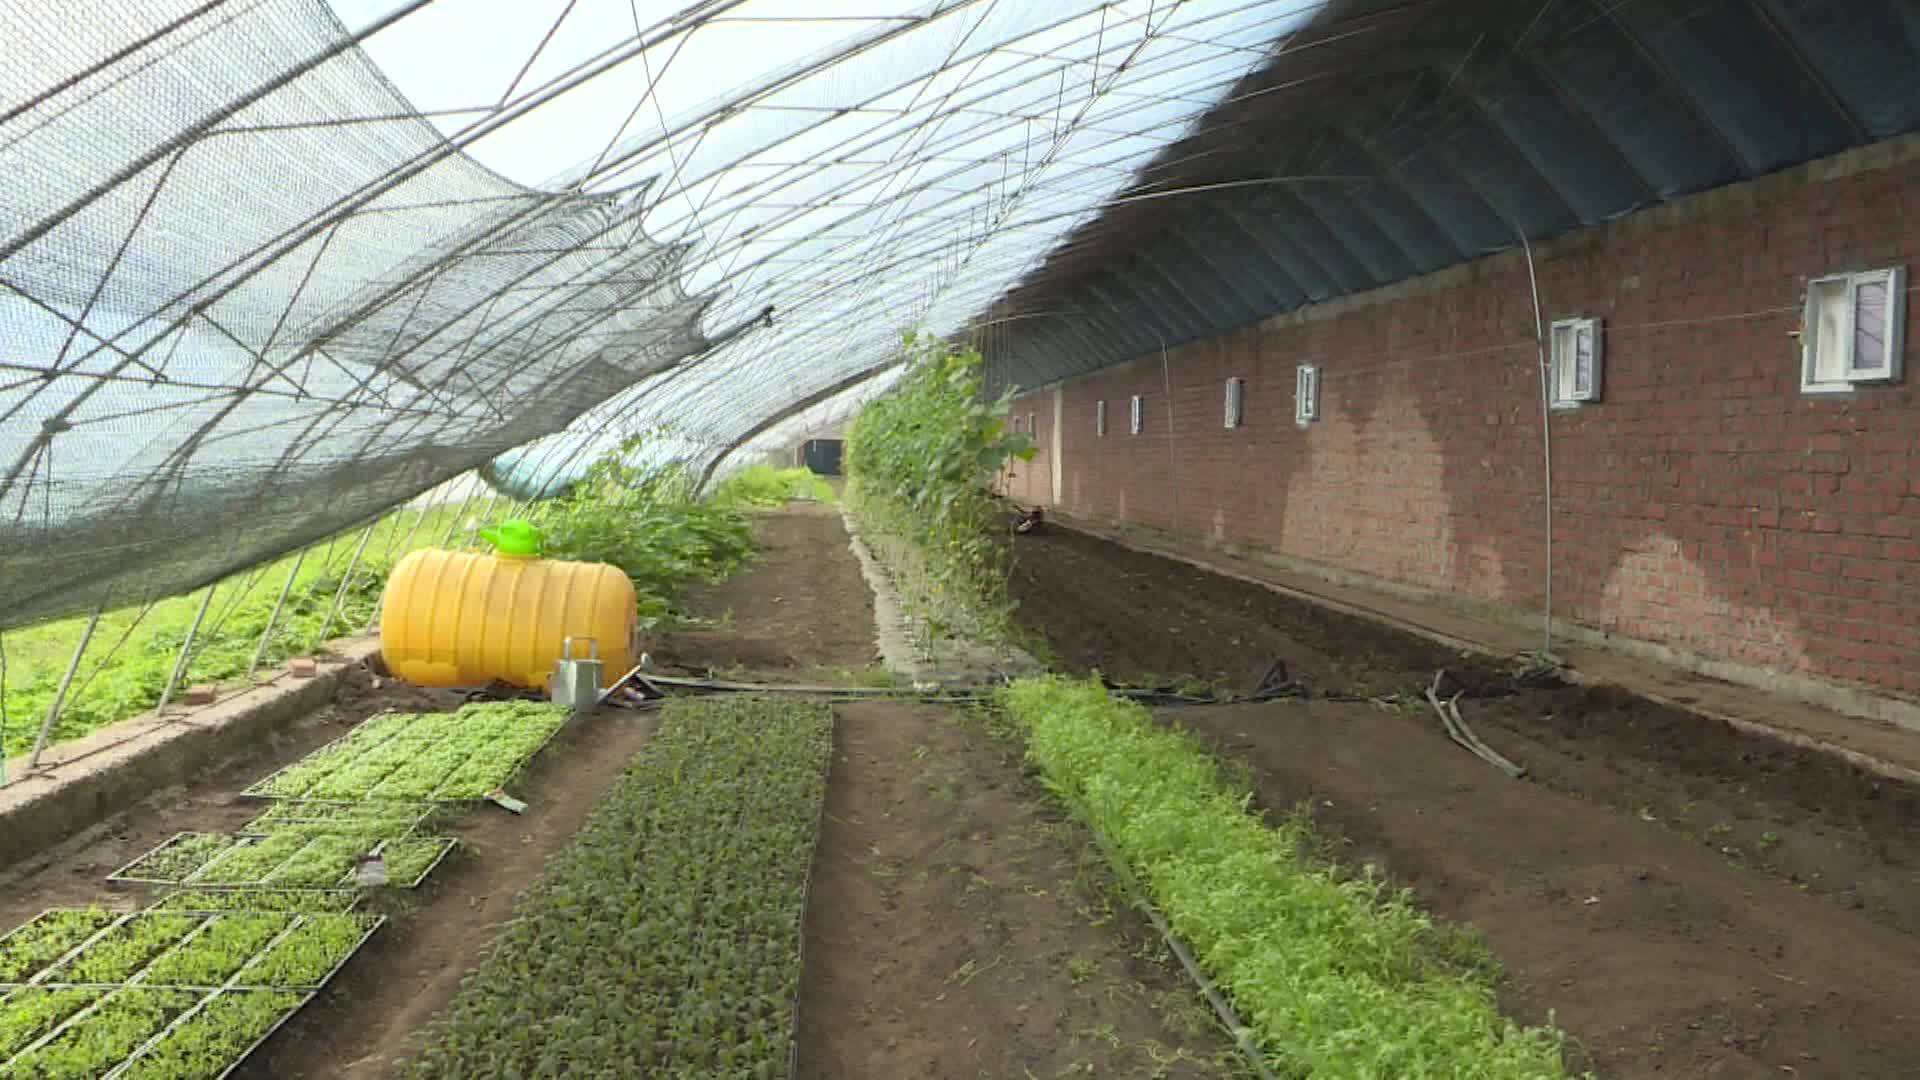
(264,273)
(253,294)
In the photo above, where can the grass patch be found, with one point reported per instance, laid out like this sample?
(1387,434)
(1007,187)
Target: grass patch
(665,941)
(766,486)
(131,655)
(1336,975)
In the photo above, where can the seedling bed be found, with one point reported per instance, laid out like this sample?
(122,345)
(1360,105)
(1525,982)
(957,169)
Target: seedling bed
(177,858)
(420,758)
(218,901)
(48,938)
(204,952)
(137,1032)
(689,960)
(397,819)
(290,859)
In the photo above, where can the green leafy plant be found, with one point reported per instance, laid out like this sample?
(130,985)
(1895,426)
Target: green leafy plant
(50,936)
(213,955)
(215,1037)
(120,953)
(665,941)
(95,1043)
(1337,975)
(648,521)
(210,901)
(766,486)
(920,464)
(29,1013)
(310,952)
(115,683)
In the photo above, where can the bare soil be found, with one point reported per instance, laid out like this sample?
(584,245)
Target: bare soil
(1752,902)
(958,927)
(798,612)
(1658,954)
(1143,620)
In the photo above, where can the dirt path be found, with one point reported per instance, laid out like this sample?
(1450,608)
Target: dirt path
(957,927)
(1659,955)
(800,611)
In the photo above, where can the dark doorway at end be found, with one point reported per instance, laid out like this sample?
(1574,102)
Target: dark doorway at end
(822,456)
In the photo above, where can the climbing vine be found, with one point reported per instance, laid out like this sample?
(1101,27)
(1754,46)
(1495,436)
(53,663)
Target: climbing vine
(920,464)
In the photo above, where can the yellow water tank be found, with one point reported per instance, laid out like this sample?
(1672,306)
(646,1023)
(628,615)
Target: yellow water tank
(453,619)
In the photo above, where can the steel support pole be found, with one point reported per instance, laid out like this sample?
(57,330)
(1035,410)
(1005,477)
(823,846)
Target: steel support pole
(186,650)
(346,582)
(66,683)
(3,710)
(260,651)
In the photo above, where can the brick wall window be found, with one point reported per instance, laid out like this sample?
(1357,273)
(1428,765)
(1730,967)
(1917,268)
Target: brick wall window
(1306,394)
(1136,415)
(1236,399)
(1575,360)
(1100,418)
(1853,331)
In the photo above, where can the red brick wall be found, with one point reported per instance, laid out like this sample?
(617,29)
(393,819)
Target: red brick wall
(1706,503)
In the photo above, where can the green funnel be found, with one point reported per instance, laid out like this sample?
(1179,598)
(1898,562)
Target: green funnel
(514,539)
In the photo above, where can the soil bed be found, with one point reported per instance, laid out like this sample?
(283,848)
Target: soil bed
(1756,902)
(1142,619)
(958,927)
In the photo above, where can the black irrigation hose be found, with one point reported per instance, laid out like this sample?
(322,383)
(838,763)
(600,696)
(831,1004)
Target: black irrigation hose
(1136,894)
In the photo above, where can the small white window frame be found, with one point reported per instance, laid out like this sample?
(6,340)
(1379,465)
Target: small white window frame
(1100,418)
(1842,375)
(1306,394)
(1136,415)
(1236,402)
(1563,342)
(1033,424)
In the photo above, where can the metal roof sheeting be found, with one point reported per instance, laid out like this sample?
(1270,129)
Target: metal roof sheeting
(1386,141)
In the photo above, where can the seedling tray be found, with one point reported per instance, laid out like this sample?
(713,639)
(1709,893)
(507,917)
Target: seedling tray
(141,871)
(315,816)
(155,1044)
(201,1001)
(50,977)
(259,901)
(447,844)
(207,875)
(264,787)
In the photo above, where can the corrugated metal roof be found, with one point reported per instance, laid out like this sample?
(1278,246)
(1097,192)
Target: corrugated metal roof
(1385,141)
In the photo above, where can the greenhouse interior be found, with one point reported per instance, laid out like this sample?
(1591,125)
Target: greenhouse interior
(959,538)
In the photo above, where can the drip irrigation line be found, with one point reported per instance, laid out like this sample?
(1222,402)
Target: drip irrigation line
(1222,1009)
(1457,730)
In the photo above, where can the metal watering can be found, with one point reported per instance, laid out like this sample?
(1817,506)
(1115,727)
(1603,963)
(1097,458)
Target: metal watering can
(576,682)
